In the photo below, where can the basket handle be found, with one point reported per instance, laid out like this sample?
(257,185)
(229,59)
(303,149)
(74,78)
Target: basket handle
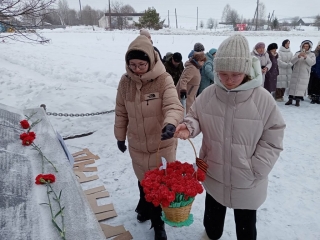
(194,149)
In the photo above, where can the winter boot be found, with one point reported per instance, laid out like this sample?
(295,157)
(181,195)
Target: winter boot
(289,102)
(313,99)
(142,217)
(297,103)
(160,232)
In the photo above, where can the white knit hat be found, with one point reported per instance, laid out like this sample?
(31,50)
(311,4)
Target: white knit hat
(233,55)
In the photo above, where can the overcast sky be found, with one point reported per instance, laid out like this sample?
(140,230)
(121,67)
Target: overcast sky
(187,9)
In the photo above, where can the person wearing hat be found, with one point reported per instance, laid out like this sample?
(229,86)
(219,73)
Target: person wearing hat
(314,83)
(147,111)
(174,65)
(198,47)
(285,70)
(302,62)
(242,138)
(145,32)
(188,84)
(207,77)
(260,52)
(270,82)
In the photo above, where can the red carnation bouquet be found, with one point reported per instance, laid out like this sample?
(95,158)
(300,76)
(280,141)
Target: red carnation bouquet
(178,182)
(174,187)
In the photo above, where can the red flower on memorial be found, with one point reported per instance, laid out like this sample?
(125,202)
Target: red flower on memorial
(45,178)
(27,141)
(30,134)
(25,124)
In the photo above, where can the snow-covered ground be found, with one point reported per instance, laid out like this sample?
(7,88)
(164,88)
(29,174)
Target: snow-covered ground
(78,72)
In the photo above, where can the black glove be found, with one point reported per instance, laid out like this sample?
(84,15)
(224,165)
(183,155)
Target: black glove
(183,94)
(168,132)
(122,146)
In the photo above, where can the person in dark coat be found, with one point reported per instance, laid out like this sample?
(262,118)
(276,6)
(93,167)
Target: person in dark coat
(270,83)
(145,32)
(314,83)
(174,66)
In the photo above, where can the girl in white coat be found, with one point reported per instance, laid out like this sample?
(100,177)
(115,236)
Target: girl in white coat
(242,131)
(285,69)
(302,62)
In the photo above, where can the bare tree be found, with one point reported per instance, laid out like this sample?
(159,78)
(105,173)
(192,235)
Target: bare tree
(317,22)
(225,13)
(32,10)
(233,17)
(230,15)
(215,24)
(201,24)
(210,23)
(63,10)
(262,13)
(73,17)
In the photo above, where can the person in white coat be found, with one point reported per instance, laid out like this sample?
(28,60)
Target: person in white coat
(302,62)
(260,52)
(285,70)
(243,131)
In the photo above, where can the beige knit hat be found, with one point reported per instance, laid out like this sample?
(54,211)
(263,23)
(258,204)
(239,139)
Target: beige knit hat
(233,55)
(145,32)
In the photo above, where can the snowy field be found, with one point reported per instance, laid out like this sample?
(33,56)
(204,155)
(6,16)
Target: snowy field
(78,72)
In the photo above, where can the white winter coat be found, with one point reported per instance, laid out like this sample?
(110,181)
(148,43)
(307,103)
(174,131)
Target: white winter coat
(242,138)
(301,73)
(264,61)
(285,67)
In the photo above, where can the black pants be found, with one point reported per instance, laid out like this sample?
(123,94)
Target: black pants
(214,216)
(148,209)
(295,97)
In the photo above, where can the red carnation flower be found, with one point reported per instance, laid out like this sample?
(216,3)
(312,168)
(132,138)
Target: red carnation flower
(30,134)
(23,136)
(45,178)
(25,124)
(27,141)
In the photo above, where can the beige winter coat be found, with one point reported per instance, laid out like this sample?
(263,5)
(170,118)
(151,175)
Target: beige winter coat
(242,138)
(264,61)
(285,67)
(301,73)
(144,106)
(190,82)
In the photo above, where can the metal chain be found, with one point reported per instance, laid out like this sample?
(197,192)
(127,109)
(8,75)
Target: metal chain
(78,114)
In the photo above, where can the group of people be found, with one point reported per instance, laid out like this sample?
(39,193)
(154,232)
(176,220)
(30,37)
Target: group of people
(241,125)
(299,72)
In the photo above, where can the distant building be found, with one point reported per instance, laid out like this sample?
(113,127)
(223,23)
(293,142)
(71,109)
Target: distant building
(306,21)
(130,17)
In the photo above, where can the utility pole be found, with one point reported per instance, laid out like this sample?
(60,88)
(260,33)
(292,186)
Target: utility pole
(197,18)
(168,20)
(257,15)
(175,10)
(109,16)
(80,12)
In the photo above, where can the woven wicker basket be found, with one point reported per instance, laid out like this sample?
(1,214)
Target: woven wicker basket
(177,215)
(181,214)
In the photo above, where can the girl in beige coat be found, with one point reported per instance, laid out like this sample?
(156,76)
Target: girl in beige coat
(242,131)
(189,81)
(147,111)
